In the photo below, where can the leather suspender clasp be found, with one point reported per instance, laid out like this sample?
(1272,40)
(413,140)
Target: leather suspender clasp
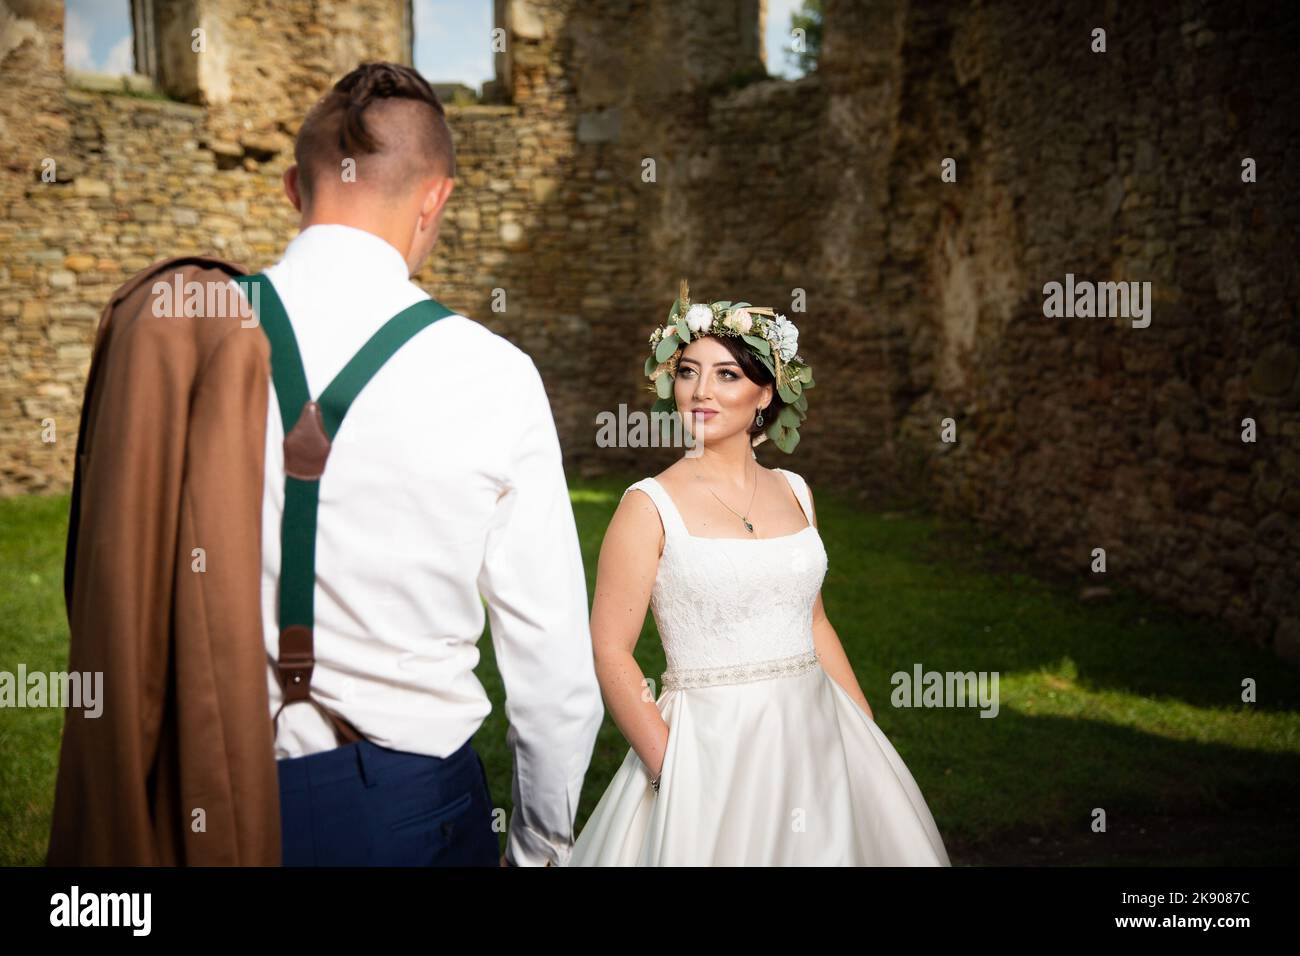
(307,447)
(296,661)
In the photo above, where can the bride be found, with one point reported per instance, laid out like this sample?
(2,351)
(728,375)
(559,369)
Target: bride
(762,749)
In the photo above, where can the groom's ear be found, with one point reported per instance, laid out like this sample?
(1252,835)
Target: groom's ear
(436,199)
(291,187)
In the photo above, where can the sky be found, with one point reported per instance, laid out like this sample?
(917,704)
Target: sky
(452,38)
(97,36)
(453,41)
(776,37)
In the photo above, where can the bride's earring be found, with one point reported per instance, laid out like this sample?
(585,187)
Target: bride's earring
(759,421)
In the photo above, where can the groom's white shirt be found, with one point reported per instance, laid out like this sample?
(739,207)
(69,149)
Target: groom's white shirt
(444,481)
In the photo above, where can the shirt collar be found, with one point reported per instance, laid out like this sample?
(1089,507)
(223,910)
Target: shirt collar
(340,249)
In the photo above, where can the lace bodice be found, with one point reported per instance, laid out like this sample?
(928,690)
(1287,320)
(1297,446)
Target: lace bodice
(734,602)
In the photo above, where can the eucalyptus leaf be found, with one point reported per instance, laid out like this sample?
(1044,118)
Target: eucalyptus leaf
(802,403)
(722,305)
(789,417)
(664,385)
(788,441)
(675,310)
(651,363)
(805,374)
(787,395)
(666,348)
(664,405)
(760,344)
(683,330)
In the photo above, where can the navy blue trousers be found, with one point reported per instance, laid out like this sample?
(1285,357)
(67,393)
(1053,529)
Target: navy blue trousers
(365,805)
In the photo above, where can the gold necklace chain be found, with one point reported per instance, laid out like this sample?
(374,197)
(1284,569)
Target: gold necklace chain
(745,517)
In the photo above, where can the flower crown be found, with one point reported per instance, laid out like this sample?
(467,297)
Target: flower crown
(772,338)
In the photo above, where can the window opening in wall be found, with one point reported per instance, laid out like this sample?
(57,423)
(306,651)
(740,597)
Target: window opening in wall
(452,42)
(108,44)
(792,37)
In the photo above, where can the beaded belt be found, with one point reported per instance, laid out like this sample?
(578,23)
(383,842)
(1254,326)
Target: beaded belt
(740,673)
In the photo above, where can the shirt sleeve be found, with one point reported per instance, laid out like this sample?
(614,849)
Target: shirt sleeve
(536,593)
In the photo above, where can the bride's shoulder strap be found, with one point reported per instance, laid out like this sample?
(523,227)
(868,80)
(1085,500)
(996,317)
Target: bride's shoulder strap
(800,490)
(668,514)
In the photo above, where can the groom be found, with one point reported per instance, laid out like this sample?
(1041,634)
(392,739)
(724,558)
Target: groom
(398,465)
(444,481)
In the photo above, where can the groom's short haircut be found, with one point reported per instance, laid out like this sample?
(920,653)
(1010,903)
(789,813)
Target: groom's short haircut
(387,119)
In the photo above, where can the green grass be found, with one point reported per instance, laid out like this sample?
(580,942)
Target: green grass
(1117,705)
(33,631)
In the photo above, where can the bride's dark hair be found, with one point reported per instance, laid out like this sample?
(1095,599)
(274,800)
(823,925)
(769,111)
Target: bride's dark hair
(392,149)
(757,372)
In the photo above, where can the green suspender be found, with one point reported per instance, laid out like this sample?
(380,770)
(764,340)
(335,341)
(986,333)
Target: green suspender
(309,428)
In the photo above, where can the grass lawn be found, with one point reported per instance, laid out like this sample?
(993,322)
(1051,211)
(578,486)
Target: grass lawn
(1116,706)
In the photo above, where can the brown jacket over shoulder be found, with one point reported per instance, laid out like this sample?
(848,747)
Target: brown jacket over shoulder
(179,768)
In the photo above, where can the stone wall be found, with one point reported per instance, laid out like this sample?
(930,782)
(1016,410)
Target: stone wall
(924,298)
(1082,433)
(540,211)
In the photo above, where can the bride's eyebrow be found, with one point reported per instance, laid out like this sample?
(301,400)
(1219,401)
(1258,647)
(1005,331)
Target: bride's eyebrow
(687,361)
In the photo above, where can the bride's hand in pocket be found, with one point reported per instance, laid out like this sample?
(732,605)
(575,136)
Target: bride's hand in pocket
(663,756)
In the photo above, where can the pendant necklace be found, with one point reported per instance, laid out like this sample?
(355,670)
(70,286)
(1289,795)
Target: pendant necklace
(745,517)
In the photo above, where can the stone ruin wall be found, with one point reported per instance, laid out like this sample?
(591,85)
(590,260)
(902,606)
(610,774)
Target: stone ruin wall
(924,298)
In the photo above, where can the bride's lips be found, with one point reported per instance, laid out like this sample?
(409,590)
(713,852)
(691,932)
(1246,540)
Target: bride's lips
(704,412)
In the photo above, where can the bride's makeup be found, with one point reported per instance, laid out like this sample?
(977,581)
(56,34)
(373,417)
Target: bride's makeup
(712,389)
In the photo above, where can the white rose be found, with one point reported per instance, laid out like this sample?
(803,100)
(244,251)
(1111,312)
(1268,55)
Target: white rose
(785,337)
(739,320)
(699,318)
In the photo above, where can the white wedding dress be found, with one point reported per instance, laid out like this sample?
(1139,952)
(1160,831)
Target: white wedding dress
(769,761)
